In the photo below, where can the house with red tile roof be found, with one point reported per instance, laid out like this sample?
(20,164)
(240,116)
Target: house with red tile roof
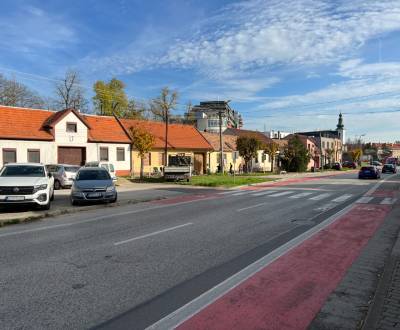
(67,137)
(182,139)
(261,163)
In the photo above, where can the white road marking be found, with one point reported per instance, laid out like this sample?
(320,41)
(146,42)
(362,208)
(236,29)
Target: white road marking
(342,198)
(242,193)
(364,200)
(262,193)
(283,193)
(152,234)
(319,197)
(227,192)
(388,201)
(301,195)
(250,207)
(326,207)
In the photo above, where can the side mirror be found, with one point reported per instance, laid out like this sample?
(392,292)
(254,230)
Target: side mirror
(49,175)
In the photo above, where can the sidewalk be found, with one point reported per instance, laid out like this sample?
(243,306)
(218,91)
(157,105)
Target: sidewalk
(385,311)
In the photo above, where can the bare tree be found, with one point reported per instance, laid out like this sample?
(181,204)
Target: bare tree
(161,108)
(13,93)
(69,93)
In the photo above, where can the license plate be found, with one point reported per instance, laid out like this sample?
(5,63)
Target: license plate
(93,195)
(15,198)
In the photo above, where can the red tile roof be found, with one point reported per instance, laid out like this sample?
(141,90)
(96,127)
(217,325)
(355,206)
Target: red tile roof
(24,124)
(228,140)
(179,136)
(31,124)
(254,134)
(105,129)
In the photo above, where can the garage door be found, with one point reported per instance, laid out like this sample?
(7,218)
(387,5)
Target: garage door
(71,155)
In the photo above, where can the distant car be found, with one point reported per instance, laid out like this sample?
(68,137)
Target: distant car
(377,164)
(26,183)
(369,172)
(349,164)
(106,165)
(63,174)
(93,184)
(389,168)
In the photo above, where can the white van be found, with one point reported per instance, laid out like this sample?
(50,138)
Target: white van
(108,166)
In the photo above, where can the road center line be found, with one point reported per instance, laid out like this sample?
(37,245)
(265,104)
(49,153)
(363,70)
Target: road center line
(152,234)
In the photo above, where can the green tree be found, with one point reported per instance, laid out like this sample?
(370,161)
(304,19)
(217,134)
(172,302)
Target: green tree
(247,147)
(356,155)
(134,110)
(271,149)
(143,141)
(296,156)
(110,98)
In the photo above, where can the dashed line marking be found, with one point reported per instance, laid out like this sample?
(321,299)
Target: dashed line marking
(264,193)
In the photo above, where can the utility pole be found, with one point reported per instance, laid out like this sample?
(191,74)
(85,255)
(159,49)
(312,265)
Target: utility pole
(166,138)
(320,149)
(221,147)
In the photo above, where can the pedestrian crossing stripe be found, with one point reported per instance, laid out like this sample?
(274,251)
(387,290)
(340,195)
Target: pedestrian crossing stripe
(319,197)
(364,200)
(283,193)
(262,193)
(301,195)
(342,198)
(389,201)
(241,193)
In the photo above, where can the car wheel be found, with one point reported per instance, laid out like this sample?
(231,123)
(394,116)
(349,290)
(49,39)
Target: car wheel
(45,207)
(115,199)
(57,185)
(74,202)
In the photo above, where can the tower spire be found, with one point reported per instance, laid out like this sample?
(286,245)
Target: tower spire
(340,122)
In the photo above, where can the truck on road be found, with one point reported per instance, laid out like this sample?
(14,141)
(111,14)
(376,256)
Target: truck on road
(179,168)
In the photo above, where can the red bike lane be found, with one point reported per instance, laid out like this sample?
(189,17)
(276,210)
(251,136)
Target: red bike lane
(289,292)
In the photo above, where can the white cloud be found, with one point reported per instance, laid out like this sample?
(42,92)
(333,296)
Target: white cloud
(297,32)
(355,69)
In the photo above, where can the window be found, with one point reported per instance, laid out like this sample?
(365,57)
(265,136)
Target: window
(33,156)
(323,144)
(103,153)
(150,158)
(120,154)
(72,128)
(9,156)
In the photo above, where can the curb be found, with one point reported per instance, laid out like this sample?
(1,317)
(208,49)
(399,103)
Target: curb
(71,210)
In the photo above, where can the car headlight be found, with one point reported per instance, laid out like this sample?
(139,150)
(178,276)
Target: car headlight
(39,187)
(110,189)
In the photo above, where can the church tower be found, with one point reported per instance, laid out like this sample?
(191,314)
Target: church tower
(340,129)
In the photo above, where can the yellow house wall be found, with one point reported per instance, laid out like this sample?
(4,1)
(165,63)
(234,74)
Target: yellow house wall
(156,161)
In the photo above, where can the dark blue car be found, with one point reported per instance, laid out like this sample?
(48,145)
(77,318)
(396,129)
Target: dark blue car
(369,172)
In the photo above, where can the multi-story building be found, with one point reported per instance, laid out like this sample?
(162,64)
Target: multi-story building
(272,134)
(207,116)
(331,143)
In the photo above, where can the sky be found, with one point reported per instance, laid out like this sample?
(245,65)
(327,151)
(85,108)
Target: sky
(288,65)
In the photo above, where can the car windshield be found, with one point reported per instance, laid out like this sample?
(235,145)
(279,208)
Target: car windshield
(23,170)
(93,175)
(72,169)
(388,165)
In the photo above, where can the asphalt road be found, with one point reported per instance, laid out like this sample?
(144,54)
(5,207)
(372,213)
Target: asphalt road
(127,267)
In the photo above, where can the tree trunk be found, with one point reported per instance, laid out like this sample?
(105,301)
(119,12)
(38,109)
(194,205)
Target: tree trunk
(272,164)
(141,167)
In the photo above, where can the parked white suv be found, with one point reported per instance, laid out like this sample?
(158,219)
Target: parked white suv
(26,183)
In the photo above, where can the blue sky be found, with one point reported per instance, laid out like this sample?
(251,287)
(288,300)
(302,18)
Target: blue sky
(286,65)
